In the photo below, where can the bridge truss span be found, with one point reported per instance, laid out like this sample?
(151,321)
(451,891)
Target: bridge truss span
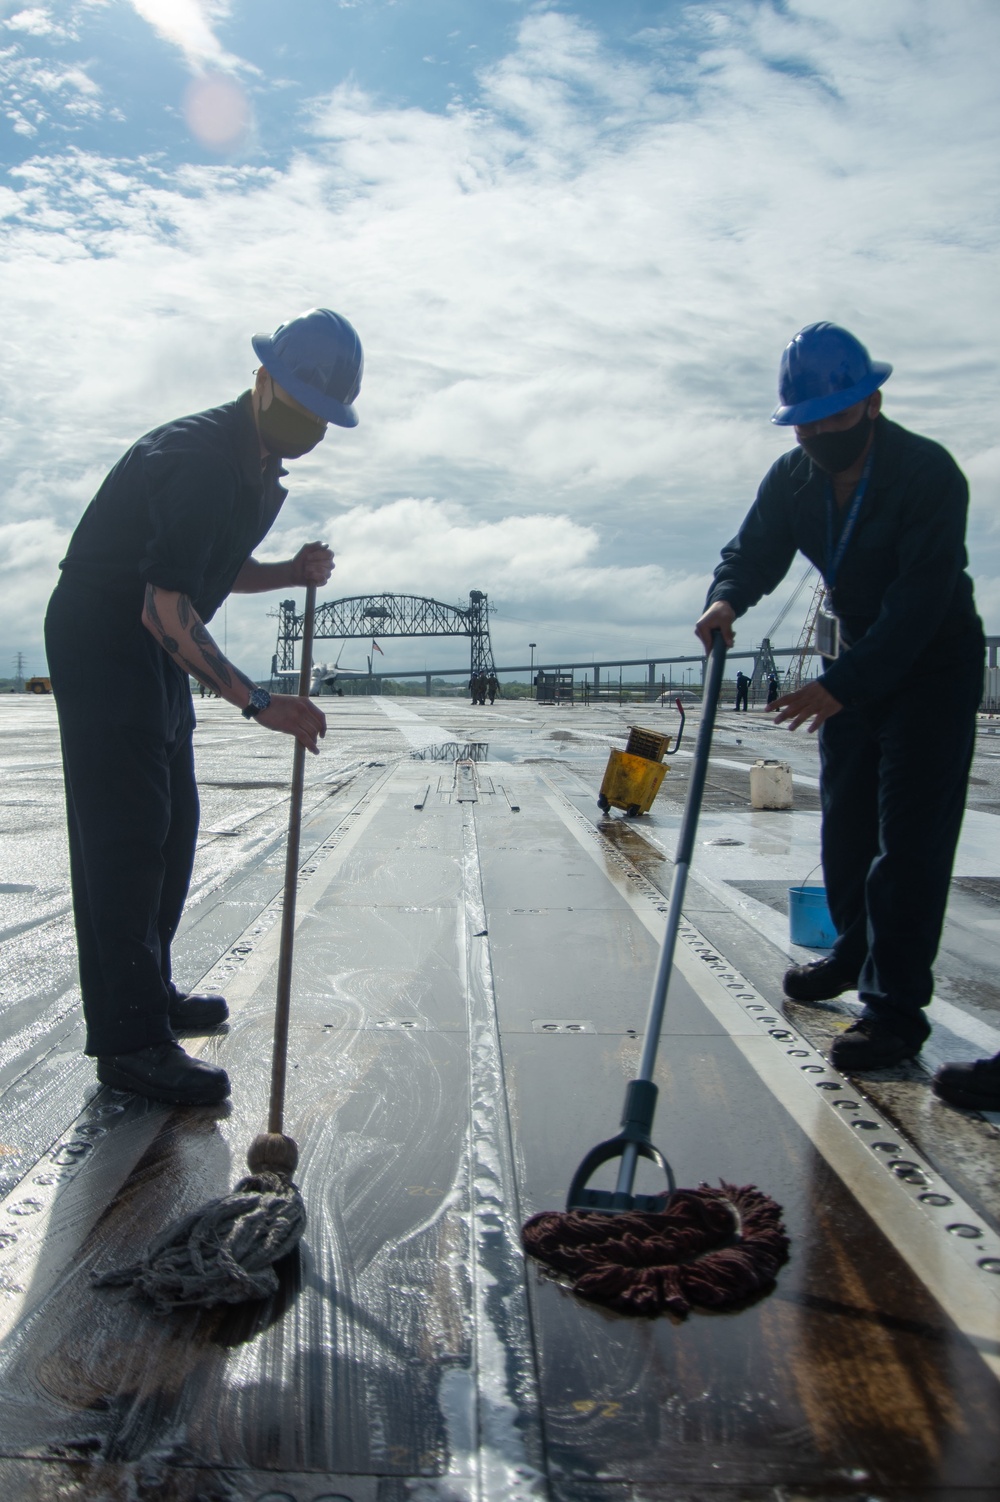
(368,617)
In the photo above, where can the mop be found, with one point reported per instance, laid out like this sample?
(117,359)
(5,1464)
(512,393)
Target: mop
(684,1248)
(225,1252)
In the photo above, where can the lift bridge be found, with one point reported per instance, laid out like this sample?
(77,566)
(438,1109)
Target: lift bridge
(362,617)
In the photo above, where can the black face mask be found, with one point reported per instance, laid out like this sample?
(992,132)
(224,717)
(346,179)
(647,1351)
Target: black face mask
(834,452)
(286,432)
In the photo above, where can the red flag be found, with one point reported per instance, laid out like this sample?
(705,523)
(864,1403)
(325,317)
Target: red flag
(377,647)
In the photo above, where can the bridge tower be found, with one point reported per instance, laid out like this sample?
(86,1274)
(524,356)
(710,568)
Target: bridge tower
(479,631)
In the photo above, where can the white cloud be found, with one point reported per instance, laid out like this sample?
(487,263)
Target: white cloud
(36,22)
(188,24)
(572,297)
(34,91)
(542,566)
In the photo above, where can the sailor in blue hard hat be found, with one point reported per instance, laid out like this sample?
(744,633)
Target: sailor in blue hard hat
(881,513)
(310,375)
(168,537)
(829,390)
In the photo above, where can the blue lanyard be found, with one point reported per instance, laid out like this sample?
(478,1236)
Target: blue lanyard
(834,556)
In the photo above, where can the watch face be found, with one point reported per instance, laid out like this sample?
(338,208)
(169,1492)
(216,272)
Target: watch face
(259,700)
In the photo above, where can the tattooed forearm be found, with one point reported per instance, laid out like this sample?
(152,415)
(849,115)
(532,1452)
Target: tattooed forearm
(164,611)
(211,653)
(198,672)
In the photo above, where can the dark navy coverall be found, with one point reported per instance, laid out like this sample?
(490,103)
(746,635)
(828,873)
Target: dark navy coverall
(182,509)
(894,762)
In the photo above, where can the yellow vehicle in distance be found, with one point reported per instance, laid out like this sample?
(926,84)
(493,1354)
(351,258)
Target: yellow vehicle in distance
(38,685)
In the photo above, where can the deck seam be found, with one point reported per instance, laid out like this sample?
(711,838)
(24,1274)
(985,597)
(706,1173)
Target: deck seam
(507,1385)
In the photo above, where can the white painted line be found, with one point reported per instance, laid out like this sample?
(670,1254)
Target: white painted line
(415,730)
(973,1030)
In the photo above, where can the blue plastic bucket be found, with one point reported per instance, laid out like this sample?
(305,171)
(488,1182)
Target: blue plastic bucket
(809,920)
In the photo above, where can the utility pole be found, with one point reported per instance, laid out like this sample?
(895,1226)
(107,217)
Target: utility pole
(19,672)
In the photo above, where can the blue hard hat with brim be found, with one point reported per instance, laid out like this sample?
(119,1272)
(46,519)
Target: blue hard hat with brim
(318,359)
(824,370)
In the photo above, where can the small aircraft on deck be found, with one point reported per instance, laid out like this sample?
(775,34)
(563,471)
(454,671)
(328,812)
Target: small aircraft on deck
(325,675)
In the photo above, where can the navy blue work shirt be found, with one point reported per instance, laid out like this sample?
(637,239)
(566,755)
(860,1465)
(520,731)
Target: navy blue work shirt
(183,509)
(901,593)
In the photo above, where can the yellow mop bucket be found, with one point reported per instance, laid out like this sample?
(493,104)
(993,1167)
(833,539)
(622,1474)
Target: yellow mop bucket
(633,777)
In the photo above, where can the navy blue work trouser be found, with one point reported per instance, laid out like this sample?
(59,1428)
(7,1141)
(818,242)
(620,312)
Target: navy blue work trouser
(126,723)
(893,778)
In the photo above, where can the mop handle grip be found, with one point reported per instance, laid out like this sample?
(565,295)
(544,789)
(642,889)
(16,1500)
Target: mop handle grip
(283,1001)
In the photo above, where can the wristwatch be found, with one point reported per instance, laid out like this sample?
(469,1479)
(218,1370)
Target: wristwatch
(259,700)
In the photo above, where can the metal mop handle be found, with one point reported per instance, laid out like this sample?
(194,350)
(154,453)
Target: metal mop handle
(279,1056)
(642,1100)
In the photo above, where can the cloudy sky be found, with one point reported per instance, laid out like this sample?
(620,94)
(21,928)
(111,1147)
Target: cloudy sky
(573,236)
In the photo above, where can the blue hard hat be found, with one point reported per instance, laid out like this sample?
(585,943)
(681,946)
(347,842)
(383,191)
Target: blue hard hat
(318,359)
(824,370)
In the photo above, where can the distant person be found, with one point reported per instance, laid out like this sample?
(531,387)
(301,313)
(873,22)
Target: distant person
(742,690)
(493,686)
(772,688)
(881,513)
(169,535)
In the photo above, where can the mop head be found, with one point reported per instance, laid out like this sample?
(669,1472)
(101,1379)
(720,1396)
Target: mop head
(710,1249)
(224,1252)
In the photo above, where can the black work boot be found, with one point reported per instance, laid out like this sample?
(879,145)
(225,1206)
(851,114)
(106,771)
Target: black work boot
(194,1012)
(974,1086)
(868,1044)
(820,980)
(164,1072)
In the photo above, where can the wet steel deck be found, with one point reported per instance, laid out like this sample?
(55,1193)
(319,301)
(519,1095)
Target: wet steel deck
(473,955)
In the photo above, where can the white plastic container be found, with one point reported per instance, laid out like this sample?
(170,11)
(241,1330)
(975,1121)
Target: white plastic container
(771,784)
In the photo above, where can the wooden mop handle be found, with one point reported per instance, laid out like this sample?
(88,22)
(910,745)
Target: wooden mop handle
(279,1056)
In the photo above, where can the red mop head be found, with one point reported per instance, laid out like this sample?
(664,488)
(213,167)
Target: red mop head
(710,1249)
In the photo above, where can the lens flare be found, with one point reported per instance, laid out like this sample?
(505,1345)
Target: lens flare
(217,111)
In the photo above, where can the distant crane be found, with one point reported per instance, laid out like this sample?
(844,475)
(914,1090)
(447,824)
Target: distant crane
(764,663)
(804,652)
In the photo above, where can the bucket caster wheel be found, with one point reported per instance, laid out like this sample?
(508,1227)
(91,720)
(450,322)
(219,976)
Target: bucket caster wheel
(603,803)
(633,811)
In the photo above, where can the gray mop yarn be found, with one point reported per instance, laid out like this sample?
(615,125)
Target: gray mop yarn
(222,1253)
